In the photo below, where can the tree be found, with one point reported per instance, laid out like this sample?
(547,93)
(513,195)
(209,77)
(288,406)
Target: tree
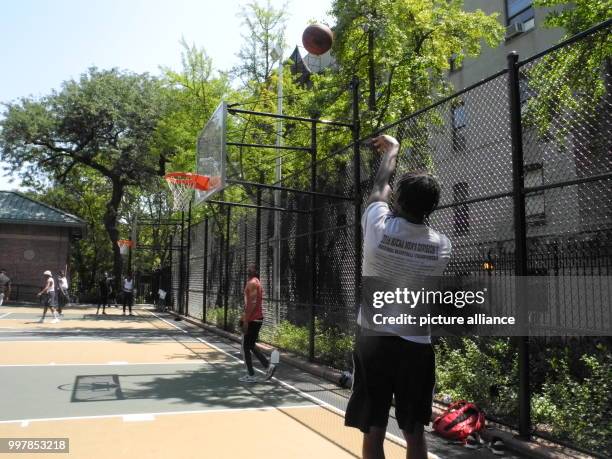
(576,77)
(265,31)
(84,193)
(401,49)
(104,122)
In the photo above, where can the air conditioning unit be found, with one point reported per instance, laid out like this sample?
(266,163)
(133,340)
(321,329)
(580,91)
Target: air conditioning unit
(514,29)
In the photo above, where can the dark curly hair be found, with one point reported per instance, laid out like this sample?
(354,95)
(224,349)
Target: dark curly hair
(417,193)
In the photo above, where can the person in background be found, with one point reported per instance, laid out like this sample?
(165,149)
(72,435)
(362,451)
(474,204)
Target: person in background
(128,293)
(62,292)
(104,286)
(47,296)
(5,287)
(251,321)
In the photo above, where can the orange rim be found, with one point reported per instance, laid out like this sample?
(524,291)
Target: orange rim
(188,179)
(125,243)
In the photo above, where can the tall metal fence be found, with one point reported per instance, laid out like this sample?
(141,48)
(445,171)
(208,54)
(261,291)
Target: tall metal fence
(524,162)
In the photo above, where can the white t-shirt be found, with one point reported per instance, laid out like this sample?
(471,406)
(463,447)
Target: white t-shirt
(63,283)
(51,282)
(423,251)
(128,285)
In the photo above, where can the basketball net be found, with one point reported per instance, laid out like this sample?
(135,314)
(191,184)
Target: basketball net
(124,246)
(182,185)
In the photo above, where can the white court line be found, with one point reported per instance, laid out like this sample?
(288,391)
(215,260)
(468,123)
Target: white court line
(5,315)
(161,413)
(186,362)
(338,411)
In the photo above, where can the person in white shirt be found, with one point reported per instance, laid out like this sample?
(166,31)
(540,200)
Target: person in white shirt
(47,296)
(397,245)
(5,286)
(128,293)
(62,292)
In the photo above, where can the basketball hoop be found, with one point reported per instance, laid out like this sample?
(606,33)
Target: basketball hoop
(124,246)
(182,184)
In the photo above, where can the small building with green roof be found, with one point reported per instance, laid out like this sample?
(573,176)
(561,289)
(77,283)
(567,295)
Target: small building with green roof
(34,237)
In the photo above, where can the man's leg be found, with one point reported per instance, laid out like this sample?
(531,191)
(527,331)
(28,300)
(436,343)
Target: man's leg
(247,346)
(130,301)
(1,298)
(124,302)
(258,353)
(373,443)
(415,443)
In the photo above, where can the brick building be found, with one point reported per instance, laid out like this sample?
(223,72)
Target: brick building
(34,237)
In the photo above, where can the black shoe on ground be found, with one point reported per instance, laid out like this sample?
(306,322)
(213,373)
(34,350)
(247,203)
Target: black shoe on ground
(497,446)
(473,441)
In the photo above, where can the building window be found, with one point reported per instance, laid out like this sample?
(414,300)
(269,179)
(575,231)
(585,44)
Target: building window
(519,11)
(461,221)
(535,209)
(459,122)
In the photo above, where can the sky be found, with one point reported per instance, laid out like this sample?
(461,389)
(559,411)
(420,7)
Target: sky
(45,42)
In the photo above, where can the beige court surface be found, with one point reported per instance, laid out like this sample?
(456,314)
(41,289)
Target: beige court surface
(159,390)
(273,433)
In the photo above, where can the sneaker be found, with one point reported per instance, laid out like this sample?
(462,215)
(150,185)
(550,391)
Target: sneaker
(473,441)
(270,372)
(54,321)
(497,446)
(248,379)
(41,321)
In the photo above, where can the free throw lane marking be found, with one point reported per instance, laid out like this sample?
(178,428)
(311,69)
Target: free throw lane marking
(25,422)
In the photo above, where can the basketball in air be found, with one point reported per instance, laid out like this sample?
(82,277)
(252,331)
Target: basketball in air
(317,39)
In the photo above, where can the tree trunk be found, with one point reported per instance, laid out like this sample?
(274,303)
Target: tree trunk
(110,223)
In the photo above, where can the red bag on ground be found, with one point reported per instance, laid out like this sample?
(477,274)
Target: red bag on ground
(459,420)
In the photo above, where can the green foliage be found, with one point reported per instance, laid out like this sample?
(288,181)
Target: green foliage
(332,345)
(578,408)
(103,123)
(483,371)
(572,79)
(400,50)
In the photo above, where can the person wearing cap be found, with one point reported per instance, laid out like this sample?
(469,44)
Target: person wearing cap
(47,295)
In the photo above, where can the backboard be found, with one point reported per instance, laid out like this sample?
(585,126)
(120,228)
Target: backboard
(211,153)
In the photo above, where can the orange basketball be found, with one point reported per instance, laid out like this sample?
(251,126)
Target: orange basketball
(317,39)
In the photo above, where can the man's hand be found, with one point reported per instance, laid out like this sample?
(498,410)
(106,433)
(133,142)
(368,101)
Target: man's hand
(385,143)
(245,327)
(389,148)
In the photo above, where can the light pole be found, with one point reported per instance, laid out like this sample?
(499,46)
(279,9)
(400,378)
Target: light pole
(277,53)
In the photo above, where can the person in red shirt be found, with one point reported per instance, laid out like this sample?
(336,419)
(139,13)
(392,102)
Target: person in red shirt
(251,321)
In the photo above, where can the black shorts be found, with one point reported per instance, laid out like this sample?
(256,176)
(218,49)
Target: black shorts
(387,366)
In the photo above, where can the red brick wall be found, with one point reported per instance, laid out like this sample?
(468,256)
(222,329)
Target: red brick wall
(26,251)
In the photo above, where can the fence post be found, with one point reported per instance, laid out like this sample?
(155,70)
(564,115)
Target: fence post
(520,236)
(357,179)
(313,241)
(258,227)
(226,289)
(188,264)
(205,271)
